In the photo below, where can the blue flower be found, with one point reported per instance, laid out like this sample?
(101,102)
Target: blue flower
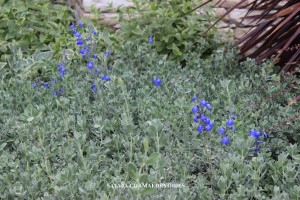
(107,53)
(207,121)
(77,34)
(61,69)
(196,119)
(234,129)
(54,94)
(150,40)
(203,103)
(35,85)
(82,52)
(204,118)
(194,98)
(61,90)
(79,42)
(194,109)
(95,56)
(209,126)
(225,140)
(87,49)
(232,117)
(156,81)
(105,78)
(230,122)
(94,87)
(72,26)
(256,149)
(81,24)
(46,85)
(257,134)
(98,71)
(200,129)
(90,65)
(94,32)
(221,131)
(208,106)
(251,133)
(254,133)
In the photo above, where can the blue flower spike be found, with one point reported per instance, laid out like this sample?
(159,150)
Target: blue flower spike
(256,134)
(204,124)
(224,130)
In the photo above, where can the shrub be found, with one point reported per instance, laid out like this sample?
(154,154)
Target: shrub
(173,33)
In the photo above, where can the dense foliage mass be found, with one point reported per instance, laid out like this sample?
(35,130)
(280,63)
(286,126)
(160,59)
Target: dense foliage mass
(106,116)
(174,33)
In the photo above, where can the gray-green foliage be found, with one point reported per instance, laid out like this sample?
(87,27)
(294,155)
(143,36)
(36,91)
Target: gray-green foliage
(130,131)
(79,144)
(173,31)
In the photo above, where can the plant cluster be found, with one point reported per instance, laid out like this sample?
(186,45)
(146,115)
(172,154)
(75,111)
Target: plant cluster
(89,134)
(86,42)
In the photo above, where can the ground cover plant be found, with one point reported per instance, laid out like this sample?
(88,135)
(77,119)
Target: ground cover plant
(102,117)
